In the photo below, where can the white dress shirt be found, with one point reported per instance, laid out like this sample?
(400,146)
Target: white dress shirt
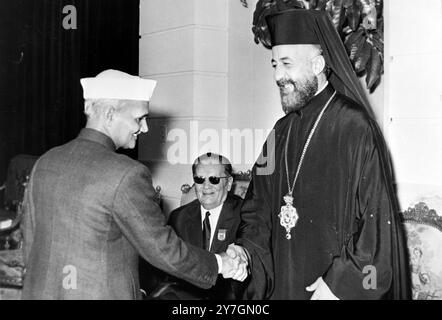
(213,219)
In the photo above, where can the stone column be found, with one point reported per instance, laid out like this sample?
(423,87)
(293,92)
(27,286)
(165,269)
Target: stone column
(184,46)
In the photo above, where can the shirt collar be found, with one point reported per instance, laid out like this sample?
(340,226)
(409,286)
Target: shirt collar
(98,137)
(214,213)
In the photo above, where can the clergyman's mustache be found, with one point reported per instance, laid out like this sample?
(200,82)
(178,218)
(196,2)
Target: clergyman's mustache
(283,82)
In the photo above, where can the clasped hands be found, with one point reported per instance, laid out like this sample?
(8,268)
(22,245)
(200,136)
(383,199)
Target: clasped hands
(235,266)
(235,263)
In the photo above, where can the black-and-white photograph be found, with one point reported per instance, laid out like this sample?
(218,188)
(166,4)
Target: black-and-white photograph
(233,152)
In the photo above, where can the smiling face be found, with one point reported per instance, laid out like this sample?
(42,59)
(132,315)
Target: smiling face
(127,122)
(294,74)
(212,195)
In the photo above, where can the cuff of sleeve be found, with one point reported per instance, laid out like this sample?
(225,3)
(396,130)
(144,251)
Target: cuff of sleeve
(249,257)
(220,262)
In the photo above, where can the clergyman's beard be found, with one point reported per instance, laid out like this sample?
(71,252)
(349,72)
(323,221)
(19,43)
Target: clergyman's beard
(301,94)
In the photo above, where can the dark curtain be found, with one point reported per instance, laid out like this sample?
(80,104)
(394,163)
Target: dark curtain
(41,103)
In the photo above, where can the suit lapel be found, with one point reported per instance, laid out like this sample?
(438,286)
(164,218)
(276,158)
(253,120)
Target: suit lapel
(224,228)
(194,229)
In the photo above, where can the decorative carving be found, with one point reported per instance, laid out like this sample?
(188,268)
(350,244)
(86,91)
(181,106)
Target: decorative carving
(11,268)
(185,188)
(241,180)
(421,213)
(242,175)
(423,227)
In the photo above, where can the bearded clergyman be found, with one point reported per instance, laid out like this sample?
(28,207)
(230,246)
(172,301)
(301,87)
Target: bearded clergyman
(322,221)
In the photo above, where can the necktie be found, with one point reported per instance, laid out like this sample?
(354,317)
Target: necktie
(206,232)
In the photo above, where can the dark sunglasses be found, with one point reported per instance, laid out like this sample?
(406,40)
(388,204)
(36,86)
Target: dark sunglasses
(212,179)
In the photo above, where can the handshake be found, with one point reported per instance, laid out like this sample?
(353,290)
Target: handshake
(235,263)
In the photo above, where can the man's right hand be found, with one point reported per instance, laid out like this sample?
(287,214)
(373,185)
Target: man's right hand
(233,266)
(234,250)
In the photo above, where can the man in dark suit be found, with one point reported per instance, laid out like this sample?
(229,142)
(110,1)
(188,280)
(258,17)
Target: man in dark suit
(89,212)
(209,222)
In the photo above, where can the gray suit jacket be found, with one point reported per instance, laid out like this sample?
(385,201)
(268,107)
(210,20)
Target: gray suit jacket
(89,212)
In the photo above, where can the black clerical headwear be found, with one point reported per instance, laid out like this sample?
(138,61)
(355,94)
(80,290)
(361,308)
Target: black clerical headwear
(302,26)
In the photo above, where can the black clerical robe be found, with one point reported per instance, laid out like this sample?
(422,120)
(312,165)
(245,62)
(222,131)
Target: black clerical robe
(348,230)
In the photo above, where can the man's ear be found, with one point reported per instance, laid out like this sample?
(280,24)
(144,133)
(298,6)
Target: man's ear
(109,115)
(318,64)
(229,183)
(87,109)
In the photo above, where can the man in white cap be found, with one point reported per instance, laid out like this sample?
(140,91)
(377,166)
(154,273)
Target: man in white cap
(90,212)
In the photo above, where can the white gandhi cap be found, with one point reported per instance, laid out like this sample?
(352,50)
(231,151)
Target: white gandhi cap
(114,84)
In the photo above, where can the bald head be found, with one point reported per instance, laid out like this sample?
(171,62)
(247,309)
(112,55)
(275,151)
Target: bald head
(210,158)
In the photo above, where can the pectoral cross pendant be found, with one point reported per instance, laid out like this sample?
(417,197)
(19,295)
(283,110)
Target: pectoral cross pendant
(288,215)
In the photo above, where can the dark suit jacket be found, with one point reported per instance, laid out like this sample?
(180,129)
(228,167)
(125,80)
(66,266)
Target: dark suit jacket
(89,212)
(186,221)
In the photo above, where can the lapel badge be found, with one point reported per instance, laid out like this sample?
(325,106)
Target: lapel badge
(222,234)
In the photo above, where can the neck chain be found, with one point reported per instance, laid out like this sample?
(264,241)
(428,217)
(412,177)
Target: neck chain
(288,215)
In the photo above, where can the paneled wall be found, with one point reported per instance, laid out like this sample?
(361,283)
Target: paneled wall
(414,98)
